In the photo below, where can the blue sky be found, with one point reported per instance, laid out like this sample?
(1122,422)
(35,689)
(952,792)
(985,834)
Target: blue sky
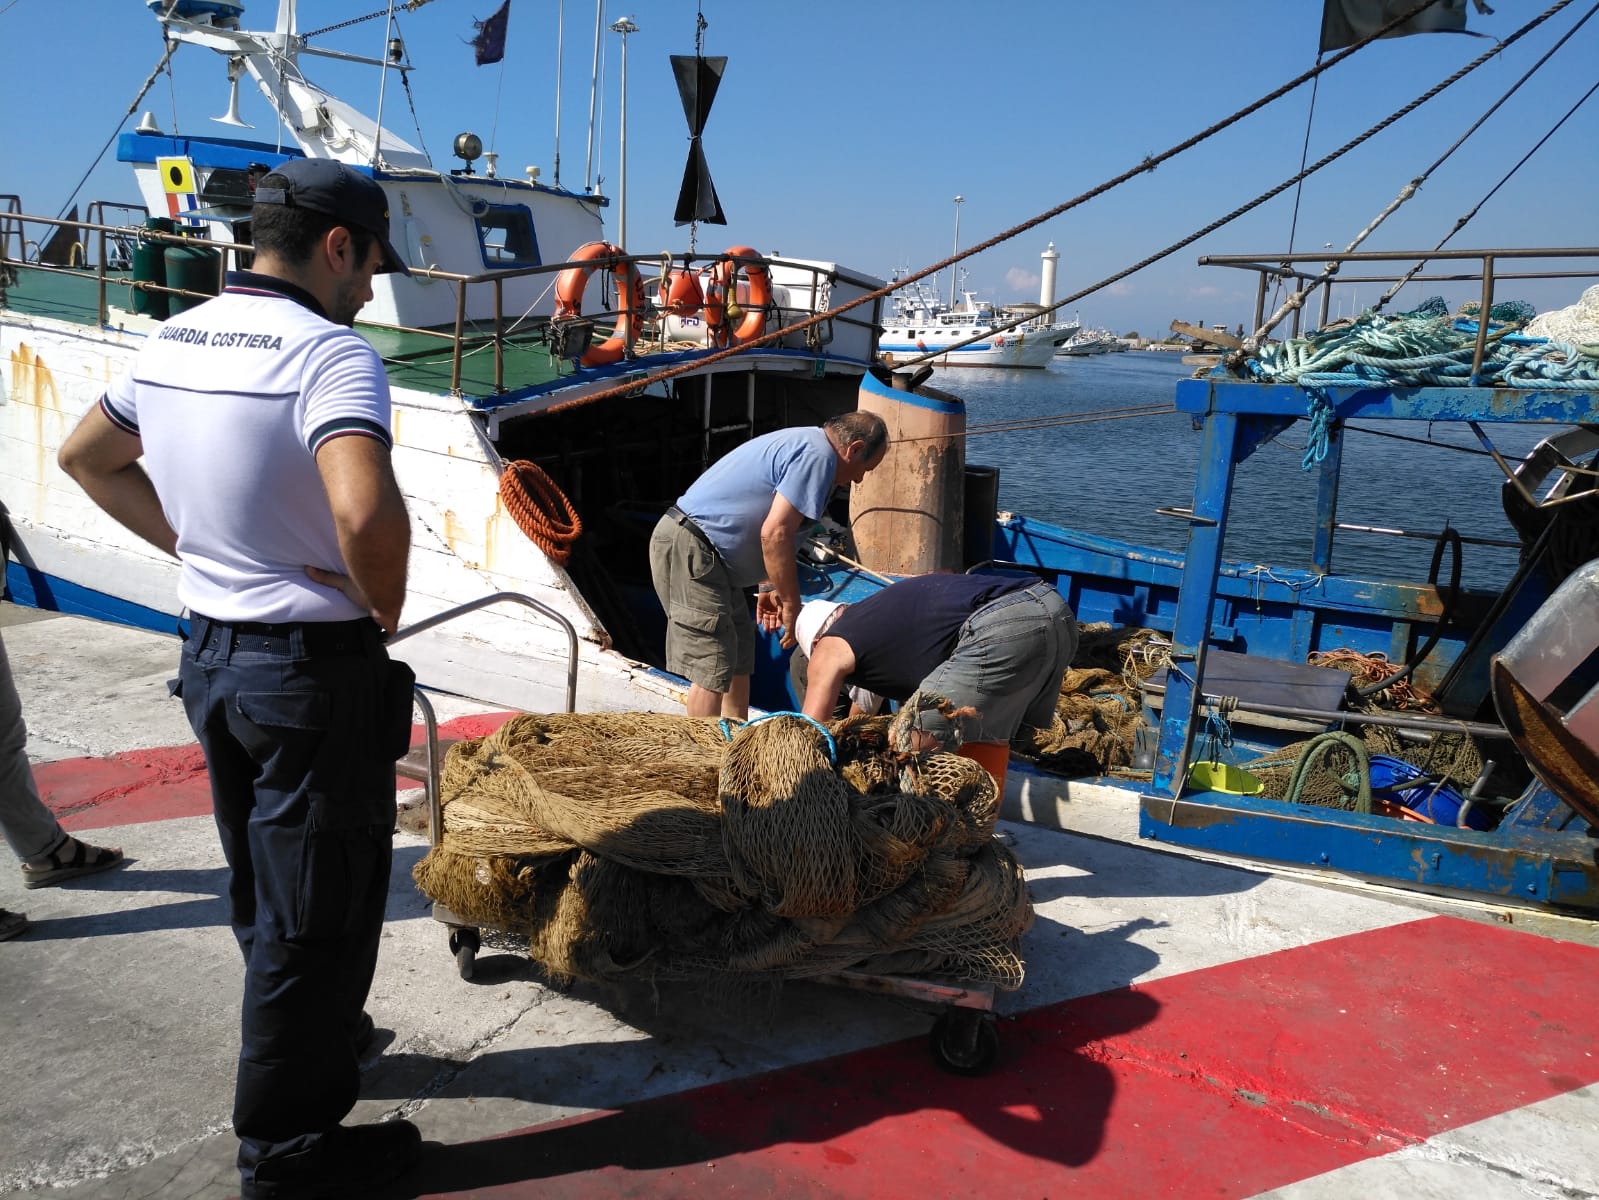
(843,130)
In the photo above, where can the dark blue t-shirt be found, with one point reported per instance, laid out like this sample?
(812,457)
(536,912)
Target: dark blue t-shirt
(900,634)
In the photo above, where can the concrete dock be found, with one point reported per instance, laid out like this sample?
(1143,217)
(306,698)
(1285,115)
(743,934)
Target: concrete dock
(1186,1027)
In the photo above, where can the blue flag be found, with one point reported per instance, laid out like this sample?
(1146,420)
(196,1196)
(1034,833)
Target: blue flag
(490,40)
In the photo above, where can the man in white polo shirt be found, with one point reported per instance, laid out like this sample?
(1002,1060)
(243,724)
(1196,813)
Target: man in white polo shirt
(263,422)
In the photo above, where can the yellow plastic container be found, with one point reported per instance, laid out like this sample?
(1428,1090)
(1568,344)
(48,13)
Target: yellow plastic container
(1224,777)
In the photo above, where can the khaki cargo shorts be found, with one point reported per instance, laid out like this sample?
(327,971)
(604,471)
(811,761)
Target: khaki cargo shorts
(710,634)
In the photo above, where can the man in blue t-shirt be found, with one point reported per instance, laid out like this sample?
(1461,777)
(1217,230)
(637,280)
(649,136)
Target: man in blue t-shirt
(998,644)
(735,528)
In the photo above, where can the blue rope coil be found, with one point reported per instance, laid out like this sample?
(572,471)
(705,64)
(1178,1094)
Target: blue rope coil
(1218,735)
(1321,416)
(832,746)
(1419,349)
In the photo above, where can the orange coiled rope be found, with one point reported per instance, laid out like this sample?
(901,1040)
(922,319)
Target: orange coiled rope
(540,509)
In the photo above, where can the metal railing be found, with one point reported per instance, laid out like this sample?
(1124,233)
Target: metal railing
(460,335)
(430,722)
(1282,267)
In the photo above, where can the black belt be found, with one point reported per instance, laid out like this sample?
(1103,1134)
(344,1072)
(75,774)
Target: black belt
(687,522)
(312,639)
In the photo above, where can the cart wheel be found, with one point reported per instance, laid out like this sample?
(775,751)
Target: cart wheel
(464,944)
(965,1041)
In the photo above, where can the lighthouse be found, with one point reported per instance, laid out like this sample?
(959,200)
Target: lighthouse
(1046,288)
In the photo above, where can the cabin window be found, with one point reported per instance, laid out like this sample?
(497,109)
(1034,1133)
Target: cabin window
(505,233)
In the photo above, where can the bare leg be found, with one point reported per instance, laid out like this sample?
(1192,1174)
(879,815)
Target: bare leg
(736,700)
(702,702)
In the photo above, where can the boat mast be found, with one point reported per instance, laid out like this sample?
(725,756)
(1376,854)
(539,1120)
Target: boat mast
(560,56)
(954,272)
(393,55)
(594,90)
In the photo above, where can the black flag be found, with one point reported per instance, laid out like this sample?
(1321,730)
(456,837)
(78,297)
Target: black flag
(1345,22)
(490,40)
(697,80)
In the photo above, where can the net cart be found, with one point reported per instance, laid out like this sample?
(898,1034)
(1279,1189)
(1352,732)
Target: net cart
(965,1034)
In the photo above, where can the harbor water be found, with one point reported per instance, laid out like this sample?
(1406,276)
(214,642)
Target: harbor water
(1108,476)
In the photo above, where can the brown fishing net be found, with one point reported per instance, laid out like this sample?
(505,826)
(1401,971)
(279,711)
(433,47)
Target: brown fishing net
(647,845)
(1456,756)
(1099,706)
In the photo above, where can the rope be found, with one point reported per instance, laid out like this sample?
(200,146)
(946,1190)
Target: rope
(1357,781)
(540,509)
(1319,405)
(832,746)
(1418,350)
(1462,221)
(1218,735)
(1145,166)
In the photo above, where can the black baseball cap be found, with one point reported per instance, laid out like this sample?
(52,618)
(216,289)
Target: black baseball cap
(325,185)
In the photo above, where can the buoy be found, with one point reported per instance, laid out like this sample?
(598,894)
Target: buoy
(571,283)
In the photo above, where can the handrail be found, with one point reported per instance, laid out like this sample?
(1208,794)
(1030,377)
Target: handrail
(1281,267)
(460,610)
(430,721)
(457,332)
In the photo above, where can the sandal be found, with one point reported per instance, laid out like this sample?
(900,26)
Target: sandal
(11,924)
(85,860)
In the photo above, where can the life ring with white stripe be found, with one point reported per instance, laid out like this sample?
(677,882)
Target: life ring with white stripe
(569,288)
(755,306)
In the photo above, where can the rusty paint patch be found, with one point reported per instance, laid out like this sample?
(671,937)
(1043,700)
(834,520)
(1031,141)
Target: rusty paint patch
(454,534)
(31,380)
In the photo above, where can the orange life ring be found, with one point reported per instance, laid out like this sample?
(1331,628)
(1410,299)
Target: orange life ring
(681,293)
(759,300)
(715,298)
(569,287)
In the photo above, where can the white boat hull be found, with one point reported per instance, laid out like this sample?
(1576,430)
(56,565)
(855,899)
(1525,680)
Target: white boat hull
(1029,348)
(464,543)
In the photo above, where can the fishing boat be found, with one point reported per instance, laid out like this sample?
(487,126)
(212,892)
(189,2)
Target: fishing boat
(512,350)
(1087,342)
(541,429)
(972,333)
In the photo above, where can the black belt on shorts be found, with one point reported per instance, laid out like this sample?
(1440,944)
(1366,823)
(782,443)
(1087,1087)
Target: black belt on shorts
(687,522)
(314,639)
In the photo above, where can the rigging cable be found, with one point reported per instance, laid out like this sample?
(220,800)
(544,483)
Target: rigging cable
(1462,221)
(1146,165)
(171,48)
(1304,157)
(1298,298)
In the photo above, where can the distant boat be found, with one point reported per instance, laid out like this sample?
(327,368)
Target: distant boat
(1090,341)
(969,334)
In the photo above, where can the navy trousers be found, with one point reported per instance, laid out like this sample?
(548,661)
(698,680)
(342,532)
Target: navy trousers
(301,725)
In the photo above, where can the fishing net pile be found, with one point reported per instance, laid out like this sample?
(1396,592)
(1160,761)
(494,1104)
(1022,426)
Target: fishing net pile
(1576,324)
(1408,350)
(1330,776)
(645,845)
(1097,713)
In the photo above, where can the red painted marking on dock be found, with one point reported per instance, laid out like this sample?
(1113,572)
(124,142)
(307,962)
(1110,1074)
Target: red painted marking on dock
(163,784)
(1223,1082)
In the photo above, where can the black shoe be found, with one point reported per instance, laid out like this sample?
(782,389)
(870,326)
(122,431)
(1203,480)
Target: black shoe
(364,1032)
(350,1161)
